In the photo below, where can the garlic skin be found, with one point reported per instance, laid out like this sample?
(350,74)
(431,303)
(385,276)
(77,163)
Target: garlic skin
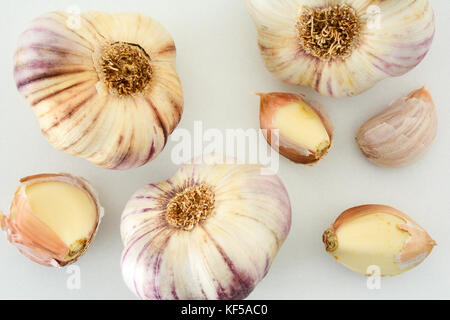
(377,235)
(375,40)
(106,91)
(35,238)
(210,232)
(302,123)
(402,133)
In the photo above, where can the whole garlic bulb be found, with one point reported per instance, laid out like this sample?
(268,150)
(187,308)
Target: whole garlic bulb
(402,133)
(210,232)
(53,218)
(104,89)
(377,236)
(344,47)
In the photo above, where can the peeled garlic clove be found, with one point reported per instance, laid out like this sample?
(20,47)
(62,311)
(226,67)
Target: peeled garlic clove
(379,236)
(210,232)
(297,130)
(103,86)
(342,48)
(401,134)
(53,218)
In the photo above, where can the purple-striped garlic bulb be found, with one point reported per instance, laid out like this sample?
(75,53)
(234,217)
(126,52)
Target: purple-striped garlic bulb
(103,86)
(402,133)
(342,48)
(210,232)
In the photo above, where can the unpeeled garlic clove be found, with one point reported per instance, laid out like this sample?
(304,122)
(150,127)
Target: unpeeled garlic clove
(53,218)
(293,127)
(379,236)
(401,134)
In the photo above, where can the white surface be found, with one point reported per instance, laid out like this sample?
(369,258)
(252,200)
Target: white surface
(219,65)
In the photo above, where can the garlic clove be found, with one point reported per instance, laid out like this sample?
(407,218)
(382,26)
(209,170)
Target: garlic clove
(293,127)
(402,133)
(102,90)
(210,232)
(370,41)
(377,235)
(53,218)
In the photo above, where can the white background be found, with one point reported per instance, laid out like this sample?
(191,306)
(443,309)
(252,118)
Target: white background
(219,65)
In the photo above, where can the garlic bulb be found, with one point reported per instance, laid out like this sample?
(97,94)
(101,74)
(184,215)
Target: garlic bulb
(105,90)
(343,47)
(293,127)
(53,218)
(401,134)
(377,236)
(210,232)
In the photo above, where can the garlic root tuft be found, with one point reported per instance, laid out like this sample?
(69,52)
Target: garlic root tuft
(329,33)
(190,206)
(125,69)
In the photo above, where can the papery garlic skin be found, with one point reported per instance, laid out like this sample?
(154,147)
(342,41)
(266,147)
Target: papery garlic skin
(394,37)
(223,256)
(39,240)
(63,72)
(377,236)
(401,134)
(300,124)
